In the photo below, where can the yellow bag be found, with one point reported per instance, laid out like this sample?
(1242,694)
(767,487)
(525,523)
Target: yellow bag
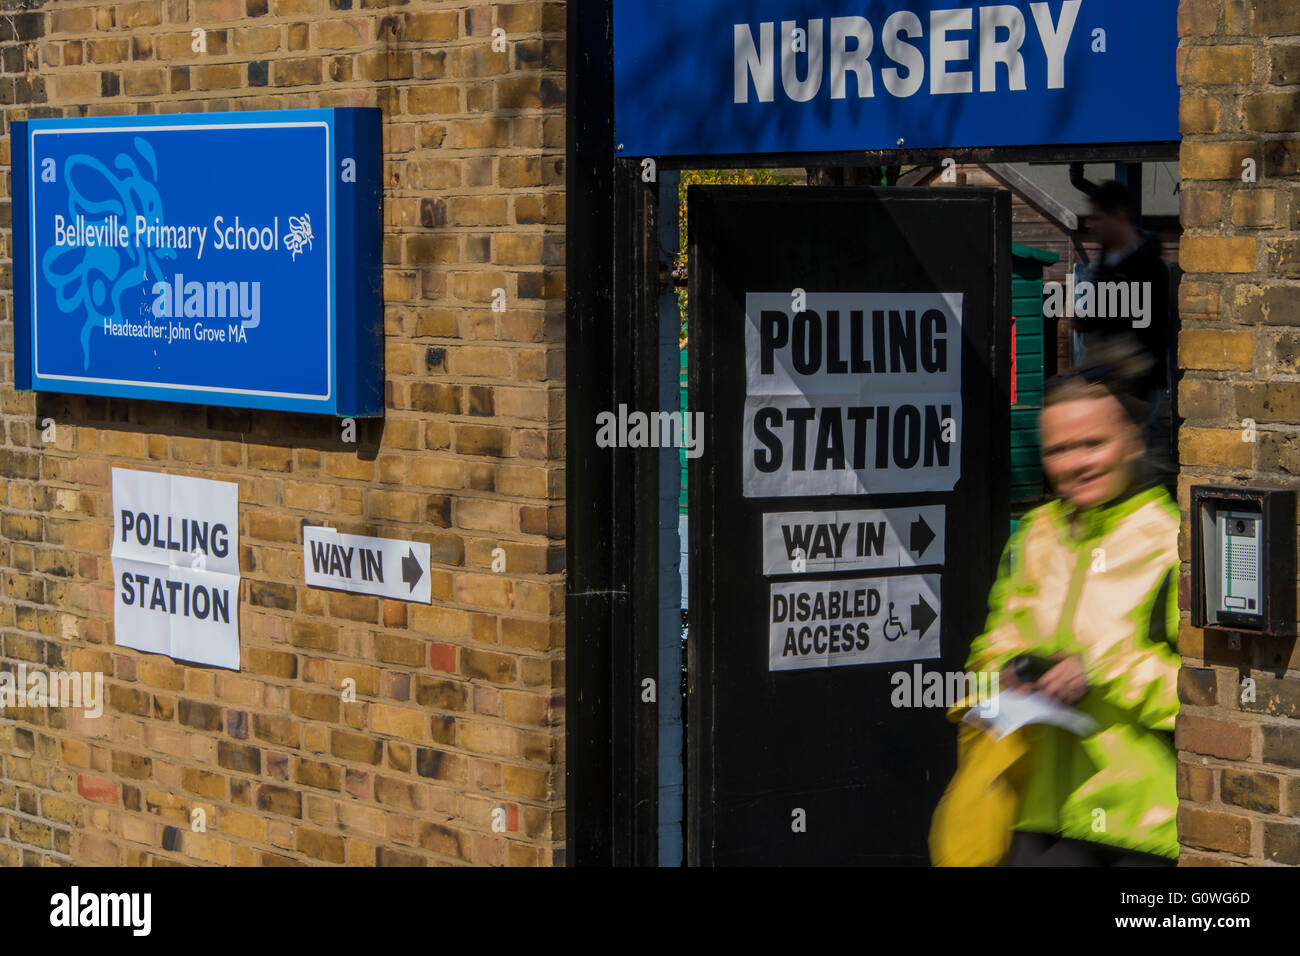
(972,824)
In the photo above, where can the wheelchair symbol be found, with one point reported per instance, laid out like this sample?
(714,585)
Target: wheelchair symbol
(902,631)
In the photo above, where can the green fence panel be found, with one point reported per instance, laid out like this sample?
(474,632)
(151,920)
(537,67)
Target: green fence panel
(1027,264)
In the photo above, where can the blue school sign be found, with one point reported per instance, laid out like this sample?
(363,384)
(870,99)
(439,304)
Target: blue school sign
(218,258)
(700,77)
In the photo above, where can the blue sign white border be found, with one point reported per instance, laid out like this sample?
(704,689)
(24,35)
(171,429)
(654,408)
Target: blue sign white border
(353,235)
(635,99)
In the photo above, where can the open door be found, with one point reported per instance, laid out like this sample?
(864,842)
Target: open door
(850,352)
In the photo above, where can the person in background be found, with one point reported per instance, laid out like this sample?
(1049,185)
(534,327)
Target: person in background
(1087,591)
(1130,254)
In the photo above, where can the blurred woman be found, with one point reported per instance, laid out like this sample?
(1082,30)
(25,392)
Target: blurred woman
(1087,597)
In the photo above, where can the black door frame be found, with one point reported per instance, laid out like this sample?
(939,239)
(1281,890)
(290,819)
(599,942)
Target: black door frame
(611,766)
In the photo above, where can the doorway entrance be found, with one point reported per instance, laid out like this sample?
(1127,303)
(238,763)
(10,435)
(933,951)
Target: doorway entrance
(625,776)
(848,360)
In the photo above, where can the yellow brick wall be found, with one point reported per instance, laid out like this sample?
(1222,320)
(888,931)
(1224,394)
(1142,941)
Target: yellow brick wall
(460,705)
(1239,66)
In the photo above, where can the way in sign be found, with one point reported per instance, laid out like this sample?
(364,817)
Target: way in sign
(380,566)
(827,540)
(802,541)
(337,560)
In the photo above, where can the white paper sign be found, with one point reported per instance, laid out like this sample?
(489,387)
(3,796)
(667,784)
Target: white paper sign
(350,562)
(855,394)
(809,541)
(176,566)
(855,621)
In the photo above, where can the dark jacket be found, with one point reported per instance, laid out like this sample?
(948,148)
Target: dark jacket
(1143,264)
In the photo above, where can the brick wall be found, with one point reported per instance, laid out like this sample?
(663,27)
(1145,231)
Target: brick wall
(460,703)
(1239,65)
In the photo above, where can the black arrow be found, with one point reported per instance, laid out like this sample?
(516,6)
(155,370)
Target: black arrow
(411,570)
(921,535)
(922,616)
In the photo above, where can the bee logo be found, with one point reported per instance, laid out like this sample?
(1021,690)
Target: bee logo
(299,234)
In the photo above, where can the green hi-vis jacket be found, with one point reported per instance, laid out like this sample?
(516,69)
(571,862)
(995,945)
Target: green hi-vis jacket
(1108,591)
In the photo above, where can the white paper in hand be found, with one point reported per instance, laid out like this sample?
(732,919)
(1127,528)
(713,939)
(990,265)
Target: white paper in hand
(1010,711)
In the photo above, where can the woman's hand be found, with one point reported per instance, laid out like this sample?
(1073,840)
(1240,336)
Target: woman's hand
(1007,680)
(1066,681)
